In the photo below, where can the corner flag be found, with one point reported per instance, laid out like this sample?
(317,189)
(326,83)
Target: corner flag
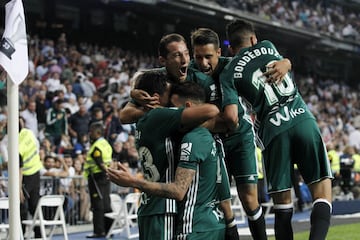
(13,45)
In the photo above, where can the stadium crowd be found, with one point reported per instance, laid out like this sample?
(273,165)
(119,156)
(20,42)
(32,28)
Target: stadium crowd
(324,16)
(71,86)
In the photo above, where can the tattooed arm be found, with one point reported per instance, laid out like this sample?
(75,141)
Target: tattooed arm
(175,190)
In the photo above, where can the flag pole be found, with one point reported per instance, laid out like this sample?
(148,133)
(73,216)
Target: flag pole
(13,163)
(14,60)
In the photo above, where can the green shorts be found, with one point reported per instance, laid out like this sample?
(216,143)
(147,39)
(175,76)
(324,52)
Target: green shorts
(240,154)
(157,227)
(301,145)
(218,234)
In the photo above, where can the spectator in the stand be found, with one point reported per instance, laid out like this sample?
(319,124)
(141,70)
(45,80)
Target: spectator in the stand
(41,110)
(47,146)
(42,68)
(132,155)
(71,106)
(49,186)
(69,92)
(77,89)
(30,117)
(112,124)
(56,122)
(119,155)
(79,193)
(65,146)
(118,97)
(54,67)
(65,185)
(53,83)
(30,88)
(48,48)
(114,81)
(60,94)
(97,115)
(82,145)
(78,123)
(97,102)
(88,87)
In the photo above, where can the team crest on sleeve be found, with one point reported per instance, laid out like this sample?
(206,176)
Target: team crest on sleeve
(185,151)
(97,153)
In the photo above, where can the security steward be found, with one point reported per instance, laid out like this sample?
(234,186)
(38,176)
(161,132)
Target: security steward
(98,159)
(30,165)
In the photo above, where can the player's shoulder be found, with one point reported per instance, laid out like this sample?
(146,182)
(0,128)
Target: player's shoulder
(195,74)
(266,43)
(224,60)
(163,113)
(199,134)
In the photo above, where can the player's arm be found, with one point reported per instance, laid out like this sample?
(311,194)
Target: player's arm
(277,70)
(230,114)
(230,101)
(216,124)
(175,190)
(62,174)
(136,108)
(196,115)
(142,98)
(131,113)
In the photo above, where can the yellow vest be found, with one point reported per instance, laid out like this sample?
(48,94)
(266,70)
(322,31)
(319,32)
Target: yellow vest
(28,150)
(90,165)
(334,159)
(356,158)
(259,163)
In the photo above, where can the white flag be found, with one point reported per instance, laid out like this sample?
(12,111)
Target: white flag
(13,45)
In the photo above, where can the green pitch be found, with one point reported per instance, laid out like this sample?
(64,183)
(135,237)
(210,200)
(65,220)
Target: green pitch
(338,232)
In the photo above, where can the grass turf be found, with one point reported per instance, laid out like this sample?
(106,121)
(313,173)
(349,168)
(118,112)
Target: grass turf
(338,232)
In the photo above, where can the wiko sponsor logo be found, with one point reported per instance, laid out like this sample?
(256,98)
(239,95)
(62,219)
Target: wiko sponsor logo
(287,116)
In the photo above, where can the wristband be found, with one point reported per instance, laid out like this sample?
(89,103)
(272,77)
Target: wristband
(230,223)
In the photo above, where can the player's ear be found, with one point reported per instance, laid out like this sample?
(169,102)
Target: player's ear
(188,104)
(174,100)
(231,50)
(218,52)
(156,95)
(162,60)
(253,40)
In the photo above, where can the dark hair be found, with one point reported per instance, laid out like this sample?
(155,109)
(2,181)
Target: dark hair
(166,40)
(189,90)
(152,81)
(96,110)
(97,127)
(238,31)
(204,36)
(49,156)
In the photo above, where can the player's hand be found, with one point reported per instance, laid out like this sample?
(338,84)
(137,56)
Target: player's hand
(277,71)
(120,176)
(144,99)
